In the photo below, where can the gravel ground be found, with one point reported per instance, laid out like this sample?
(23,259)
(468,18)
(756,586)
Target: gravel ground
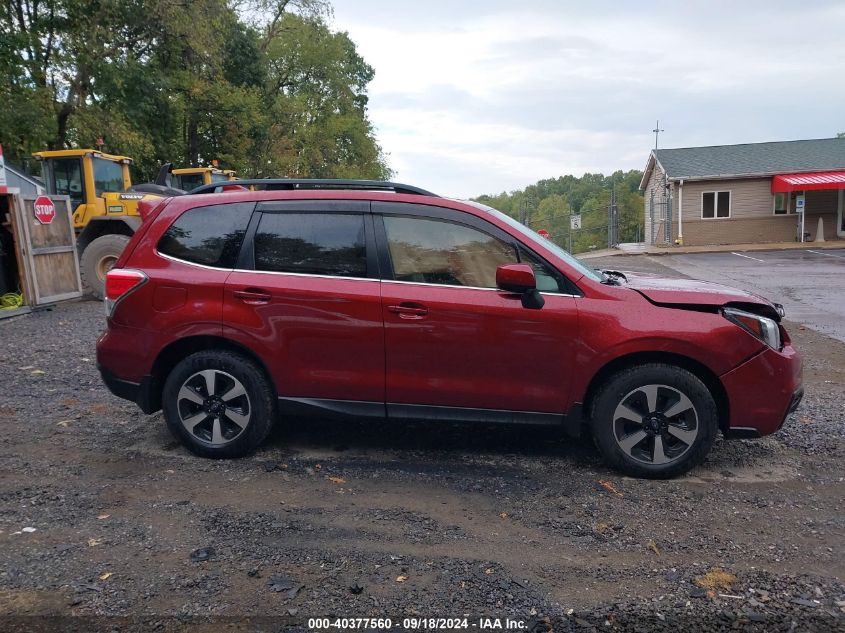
(106,523)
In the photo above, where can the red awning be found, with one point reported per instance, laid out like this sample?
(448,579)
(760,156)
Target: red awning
(805,182)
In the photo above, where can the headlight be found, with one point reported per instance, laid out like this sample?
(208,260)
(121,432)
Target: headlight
(762,327)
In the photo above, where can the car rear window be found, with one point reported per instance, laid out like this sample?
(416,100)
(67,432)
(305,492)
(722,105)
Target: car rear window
(312,243)
(210,236)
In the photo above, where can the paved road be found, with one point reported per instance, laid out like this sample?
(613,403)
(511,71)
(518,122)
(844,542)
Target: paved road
(810,284)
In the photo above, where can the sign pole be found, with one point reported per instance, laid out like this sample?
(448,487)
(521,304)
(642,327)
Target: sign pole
(802,226)
(799,207)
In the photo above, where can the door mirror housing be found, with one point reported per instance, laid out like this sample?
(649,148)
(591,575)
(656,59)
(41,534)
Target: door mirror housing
(520,279)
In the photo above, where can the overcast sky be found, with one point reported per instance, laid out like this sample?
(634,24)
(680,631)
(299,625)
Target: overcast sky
(475,97)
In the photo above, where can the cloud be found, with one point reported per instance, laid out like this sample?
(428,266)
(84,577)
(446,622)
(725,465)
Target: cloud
(478,97)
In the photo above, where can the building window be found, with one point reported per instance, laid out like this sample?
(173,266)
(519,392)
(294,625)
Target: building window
(781,207)
(716,204)
(792,203)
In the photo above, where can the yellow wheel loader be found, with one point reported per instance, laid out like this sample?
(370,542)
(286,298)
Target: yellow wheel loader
(189,178)
(104,202)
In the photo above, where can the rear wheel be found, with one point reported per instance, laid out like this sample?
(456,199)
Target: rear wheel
(654,421)
(97,259)
(218,404)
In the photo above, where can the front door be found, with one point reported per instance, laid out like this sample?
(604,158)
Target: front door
(305,296)
(455,341)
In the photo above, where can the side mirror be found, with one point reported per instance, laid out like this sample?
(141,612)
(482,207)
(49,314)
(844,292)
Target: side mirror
(520,279)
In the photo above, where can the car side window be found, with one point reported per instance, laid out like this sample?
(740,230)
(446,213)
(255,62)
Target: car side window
(211,236)
(427,250)
(312,243)
(547,279)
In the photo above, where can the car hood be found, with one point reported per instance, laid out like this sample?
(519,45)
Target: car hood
(692,292)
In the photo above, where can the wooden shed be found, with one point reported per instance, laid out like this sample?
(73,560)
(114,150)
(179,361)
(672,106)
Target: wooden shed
(38,258)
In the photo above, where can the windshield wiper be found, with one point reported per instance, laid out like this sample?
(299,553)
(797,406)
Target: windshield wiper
(614,277)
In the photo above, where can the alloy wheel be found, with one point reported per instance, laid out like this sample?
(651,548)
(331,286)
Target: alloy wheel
(655,424)
(213,407)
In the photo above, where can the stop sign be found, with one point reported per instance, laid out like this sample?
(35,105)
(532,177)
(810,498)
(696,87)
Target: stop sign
(45,210)
(543,233)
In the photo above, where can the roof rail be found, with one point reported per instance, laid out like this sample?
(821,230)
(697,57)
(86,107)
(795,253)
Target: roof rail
(289,184)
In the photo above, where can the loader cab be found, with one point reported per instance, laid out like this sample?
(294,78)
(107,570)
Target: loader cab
(84,175)
(190,178)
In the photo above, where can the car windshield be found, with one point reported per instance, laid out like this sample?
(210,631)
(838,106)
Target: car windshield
(557,250)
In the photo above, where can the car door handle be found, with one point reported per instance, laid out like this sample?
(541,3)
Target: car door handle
(253,296)
(409,310)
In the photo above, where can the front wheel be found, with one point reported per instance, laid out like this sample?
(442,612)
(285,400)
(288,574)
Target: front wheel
(218,404)
(654,421)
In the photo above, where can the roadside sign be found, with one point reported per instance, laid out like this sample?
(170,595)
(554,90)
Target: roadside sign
(799,204)
(543,233)
(44,209)
(575,221)
(2,172)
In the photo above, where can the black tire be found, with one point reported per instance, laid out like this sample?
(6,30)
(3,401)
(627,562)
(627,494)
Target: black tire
(97,259)
(257,404)
(631,391)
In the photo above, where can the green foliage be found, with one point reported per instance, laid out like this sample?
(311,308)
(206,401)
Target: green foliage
(549,203)
(187,82)
(316,96)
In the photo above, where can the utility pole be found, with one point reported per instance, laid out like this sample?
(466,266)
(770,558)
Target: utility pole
(612,216)
(657,132)
(570,218)
(525,209)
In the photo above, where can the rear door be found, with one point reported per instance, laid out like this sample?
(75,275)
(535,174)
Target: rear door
(453,340)
(305,297)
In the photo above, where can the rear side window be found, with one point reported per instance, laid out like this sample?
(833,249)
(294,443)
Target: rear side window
(312,243)
(211,236)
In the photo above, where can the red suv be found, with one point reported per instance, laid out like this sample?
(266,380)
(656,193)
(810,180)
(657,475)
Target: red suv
(382,300)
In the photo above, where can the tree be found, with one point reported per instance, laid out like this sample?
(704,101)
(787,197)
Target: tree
(187,82)
(589,196)
(316,95)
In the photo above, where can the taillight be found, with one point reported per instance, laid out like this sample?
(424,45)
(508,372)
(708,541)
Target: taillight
(119,283)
